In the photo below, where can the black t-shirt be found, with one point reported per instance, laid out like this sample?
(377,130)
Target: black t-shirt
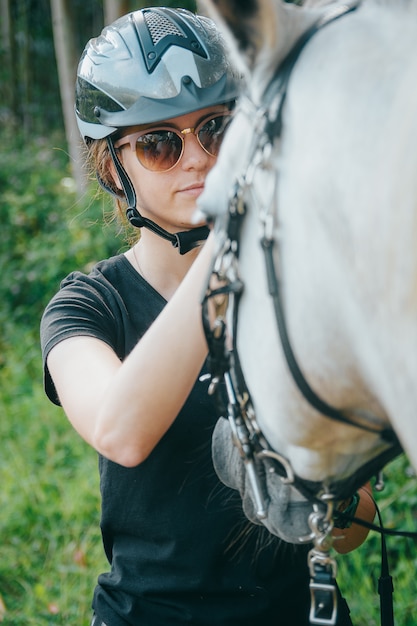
(180,549)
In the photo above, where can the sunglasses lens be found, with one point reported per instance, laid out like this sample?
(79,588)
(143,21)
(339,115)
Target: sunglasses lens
(212,132)
(158,150)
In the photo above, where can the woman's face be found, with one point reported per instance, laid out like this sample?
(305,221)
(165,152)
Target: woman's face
(169,198)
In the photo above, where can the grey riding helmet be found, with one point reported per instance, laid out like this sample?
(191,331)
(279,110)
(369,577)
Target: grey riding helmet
(148,66)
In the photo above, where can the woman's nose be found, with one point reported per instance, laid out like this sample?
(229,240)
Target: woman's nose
(194,155)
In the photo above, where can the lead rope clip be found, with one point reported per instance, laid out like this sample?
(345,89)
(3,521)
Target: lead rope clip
(323,568)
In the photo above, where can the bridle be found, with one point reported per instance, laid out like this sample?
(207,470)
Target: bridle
(224,297)
(220,318)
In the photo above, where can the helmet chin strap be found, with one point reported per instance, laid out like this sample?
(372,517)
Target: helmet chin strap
(184,240)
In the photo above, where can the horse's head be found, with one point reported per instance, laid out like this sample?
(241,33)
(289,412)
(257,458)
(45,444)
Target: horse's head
(260,34)
(336,191)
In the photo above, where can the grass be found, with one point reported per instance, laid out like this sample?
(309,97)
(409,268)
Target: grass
(359,571)
(49,504)
(51,549)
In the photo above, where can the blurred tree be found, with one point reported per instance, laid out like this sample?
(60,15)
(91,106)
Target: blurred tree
(41,42)
(114,9)
(30,93)
(63,28)
(8,57)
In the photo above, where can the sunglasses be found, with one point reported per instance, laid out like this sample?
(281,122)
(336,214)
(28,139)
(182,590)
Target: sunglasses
(160,149)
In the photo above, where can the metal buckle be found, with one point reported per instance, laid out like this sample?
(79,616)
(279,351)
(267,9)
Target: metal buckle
(317,590)
(322,566)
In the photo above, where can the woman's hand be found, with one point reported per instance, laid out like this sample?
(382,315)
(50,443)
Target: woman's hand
(348,539)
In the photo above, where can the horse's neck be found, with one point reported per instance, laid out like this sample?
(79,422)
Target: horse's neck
(352,207)
(347,208)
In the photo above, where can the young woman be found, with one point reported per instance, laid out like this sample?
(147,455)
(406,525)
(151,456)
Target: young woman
(124,347)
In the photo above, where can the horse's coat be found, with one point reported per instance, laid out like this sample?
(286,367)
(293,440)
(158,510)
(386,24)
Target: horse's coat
(346,225)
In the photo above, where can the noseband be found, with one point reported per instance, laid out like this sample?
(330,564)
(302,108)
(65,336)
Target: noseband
(220,319)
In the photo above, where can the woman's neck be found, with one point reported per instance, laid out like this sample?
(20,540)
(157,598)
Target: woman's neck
(159,263)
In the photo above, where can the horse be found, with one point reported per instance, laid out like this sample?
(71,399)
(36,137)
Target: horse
(314,204)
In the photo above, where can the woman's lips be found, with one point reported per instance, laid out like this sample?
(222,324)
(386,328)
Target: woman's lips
(193,190)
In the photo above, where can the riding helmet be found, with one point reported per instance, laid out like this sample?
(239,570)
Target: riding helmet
(151,65)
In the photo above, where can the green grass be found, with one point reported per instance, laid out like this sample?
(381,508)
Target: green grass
(359,571)
(49,503)
(51,551)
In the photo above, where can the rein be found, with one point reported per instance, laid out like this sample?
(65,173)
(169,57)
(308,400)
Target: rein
(220,318)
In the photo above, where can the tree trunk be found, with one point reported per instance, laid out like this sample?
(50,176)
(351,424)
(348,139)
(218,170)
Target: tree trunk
(114,9)
(9,88)
(63,28)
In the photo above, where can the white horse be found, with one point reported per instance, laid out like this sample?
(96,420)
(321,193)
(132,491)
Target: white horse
(338,192)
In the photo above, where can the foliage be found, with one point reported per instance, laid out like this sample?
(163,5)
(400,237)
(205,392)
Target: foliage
(29,79)
(49,508)
(359,571)
(45,231)
(49,501)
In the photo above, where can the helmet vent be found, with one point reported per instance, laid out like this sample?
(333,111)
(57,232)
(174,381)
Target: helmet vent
(160,27)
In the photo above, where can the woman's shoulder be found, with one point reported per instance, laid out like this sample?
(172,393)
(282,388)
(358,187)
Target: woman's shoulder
(110,291)
(91,298)
(105,272)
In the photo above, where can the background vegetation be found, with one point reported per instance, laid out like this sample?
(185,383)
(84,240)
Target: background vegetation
(49,510)
(50,552)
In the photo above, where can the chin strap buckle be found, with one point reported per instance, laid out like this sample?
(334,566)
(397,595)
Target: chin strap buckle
(186,240)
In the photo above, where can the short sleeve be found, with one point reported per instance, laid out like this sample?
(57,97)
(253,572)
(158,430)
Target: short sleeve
(84,306)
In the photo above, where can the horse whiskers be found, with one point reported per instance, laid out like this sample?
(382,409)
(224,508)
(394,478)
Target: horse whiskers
(239,538)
